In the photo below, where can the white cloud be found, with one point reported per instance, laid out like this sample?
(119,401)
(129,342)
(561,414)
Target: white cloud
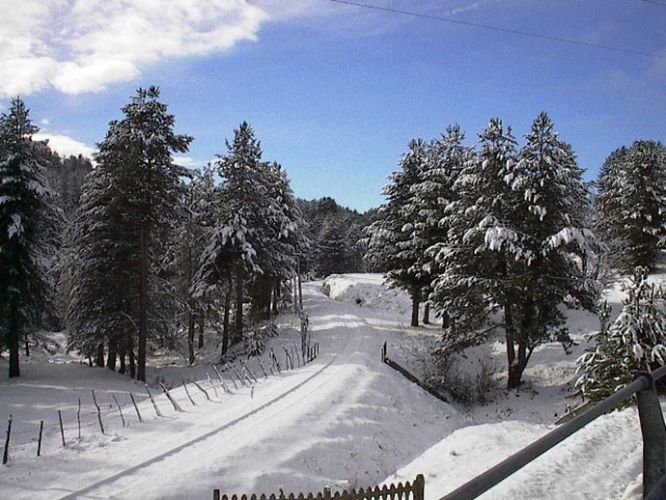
(188,161)
(65,145)
(84,45)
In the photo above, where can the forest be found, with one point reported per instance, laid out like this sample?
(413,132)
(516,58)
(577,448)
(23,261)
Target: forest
(134,250)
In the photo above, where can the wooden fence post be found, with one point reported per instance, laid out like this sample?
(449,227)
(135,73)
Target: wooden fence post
(224,386)
(419,487)
(78,418)
(201,389)
(212,385)
(122,417)
(5,455)
(175,405)
(138,413)
(99,412)
(188,394)
(263,368)
(62,431)
(39,441)
(157,410)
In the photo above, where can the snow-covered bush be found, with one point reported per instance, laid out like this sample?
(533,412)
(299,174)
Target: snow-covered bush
(254,343)
(635,341)
(470,375)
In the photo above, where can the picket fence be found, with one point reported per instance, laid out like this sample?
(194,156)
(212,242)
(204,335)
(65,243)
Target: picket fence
(408,491)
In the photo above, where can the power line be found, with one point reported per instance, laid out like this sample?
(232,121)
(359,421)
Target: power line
(503,30)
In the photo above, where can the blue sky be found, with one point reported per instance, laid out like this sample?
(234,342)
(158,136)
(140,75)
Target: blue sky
(335,92)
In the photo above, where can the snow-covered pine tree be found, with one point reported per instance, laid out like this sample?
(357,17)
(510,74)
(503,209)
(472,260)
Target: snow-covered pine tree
(434,192)
(477,261)
(100,259)
(518,241)
(631,204)
(557,244)
(395,244)
(26,208)
(232,253)
(635,341)
(188,242)
(138,152)
(284,240)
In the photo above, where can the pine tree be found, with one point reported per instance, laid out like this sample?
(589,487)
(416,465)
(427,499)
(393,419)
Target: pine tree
(232,253)
(395,243)
(518,241)
(132,204)
(635,341)
(100,261)
(631,204)
(477,261)
(433,193)
(26,211)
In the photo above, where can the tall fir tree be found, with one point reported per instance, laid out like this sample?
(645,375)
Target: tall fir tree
(432,194)
(395,243)
(26,214)
(518,241)
(136,165)
(631,204)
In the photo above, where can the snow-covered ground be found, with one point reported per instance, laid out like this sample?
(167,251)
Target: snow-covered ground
(344,420)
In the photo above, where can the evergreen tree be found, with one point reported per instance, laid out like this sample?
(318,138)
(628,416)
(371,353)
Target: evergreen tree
(233,252)
(433,193)
(26,213)
(395,242)
(631,204)
(635,341)
(132,204)
(477,261)
(100,259)
(518,241)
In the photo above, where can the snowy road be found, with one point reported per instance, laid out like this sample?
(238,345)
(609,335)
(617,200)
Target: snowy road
(345,419)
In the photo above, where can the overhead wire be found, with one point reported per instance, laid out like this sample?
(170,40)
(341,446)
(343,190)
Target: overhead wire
(503,30)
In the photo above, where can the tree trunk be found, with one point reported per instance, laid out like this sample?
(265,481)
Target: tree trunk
(100,355)
(515,372)
(113,353)
(143,303)
(190,337)
(238,334)
(13,343)
(122,351)
(276,296)
(416,300)
(202,324)
(130,352)
(300,291)
(27,346)
(426,314)
(446,320)
(225,321)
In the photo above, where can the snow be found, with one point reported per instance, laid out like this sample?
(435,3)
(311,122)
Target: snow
(344,420)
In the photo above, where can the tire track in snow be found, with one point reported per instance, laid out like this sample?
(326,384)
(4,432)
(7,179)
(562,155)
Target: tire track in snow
(349,323)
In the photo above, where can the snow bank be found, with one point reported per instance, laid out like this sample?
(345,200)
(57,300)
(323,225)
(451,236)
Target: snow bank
(367,290)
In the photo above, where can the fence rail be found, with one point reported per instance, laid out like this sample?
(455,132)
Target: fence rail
(652,429)
(400,491)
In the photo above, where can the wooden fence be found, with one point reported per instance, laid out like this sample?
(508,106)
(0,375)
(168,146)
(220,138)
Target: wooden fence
(400,491)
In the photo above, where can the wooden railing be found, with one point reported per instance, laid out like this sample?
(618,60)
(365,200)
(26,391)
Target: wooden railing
(407,491)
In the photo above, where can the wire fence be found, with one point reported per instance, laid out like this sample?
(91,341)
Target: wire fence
(81,418)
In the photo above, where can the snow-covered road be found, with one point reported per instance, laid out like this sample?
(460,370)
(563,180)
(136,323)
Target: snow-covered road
(345,419)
